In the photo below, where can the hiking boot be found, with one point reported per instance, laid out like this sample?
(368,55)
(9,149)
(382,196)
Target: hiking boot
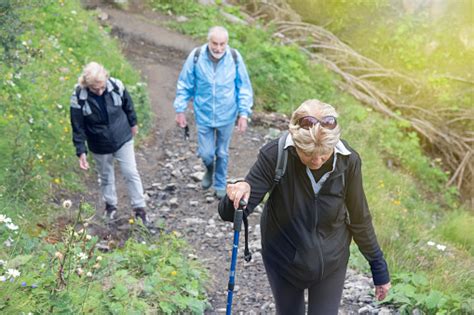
(207,179)
(110,211)
(141,213)
(220,193)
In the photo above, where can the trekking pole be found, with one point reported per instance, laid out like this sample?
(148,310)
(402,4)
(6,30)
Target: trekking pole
(238,216)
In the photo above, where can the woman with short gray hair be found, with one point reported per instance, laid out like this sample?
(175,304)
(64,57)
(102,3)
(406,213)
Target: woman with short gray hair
(103,116)
(312,214)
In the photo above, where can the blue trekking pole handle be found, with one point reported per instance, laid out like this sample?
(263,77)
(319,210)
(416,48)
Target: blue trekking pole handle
(238,216)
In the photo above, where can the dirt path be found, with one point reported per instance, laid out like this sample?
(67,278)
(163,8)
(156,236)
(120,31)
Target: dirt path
(170,170)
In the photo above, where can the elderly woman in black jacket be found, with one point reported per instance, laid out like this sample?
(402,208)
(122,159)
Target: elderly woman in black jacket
(103,116)
(312,214)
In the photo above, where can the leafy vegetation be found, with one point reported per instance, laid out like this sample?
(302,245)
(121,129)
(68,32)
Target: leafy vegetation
(412,211)
(70,276)
(44,45)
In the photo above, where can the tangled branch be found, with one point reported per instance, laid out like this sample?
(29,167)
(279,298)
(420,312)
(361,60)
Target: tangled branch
(390,92)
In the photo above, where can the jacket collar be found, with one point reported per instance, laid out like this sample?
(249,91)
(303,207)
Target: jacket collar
(83,94)
(339,165)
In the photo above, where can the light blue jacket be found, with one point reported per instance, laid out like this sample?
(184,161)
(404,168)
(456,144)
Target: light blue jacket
(218,95)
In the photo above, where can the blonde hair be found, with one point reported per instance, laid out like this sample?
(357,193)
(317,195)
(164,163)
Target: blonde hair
(316,140)
(93,72)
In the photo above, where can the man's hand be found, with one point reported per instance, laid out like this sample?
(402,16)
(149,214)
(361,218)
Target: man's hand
(134,130)
(181,120)
(242,124)
(83,164)
(381,291)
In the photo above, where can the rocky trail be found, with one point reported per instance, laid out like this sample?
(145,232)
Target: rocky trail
(171,173)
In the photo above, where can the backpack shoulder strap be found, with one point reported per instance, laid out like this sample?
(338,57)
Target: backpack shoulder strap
(80,96)
(282,158)
(197,52)
(118,86)
(234,55)
(236,61)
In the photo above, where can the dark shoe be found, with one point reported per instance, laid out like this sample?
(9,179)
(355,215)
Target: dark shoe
(207,179)
(220,193)
(110,211)
(141,213)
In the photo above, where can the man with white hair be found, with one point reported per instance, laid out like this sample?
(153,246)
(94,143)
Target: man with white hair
(215,76)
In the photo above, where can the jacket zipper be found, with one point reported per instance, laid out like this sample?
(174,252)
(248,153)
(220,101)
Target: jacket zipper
(214,95)
(321,260)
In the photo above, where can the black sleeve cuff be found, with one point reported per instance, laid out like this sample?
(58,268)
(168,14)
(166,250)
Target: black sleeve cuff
(380,273)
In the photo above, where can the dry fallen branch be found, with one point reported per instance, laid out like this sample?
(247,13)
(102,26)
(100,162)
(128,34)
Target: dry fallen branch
(386,90)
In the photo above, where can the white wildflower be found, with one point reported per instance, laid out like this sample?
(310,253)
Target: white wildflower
(3,218)
(59,106)
(67,204)
(12,226)
(88,237)
(8,242)
(99,258)
(431,243)
(441,247)
(79,271)
(89,274)
(3,278)
(82,256)
(13,273)
(31,120)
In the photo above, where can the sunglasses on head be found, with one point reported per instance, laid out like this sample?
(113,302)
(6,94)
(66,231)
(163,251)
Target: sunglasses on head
(328,122)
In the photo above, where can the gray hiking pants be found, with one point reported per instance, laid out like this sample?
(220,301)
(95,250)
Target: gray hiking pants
(128,167)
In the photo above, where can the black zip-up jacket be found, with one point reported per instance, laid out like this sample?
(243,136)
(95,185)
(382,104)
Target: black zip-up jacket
(306,237)
(104,134)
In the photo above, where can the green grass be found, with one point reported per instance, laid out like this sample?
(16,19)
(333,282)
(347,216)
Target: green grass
(58,39)
(44,45)
(410,205)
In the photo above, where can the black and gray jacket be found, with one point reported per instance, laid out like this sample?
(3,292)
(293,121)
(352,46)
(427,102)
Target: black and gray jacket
(103,135)
(306,235)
